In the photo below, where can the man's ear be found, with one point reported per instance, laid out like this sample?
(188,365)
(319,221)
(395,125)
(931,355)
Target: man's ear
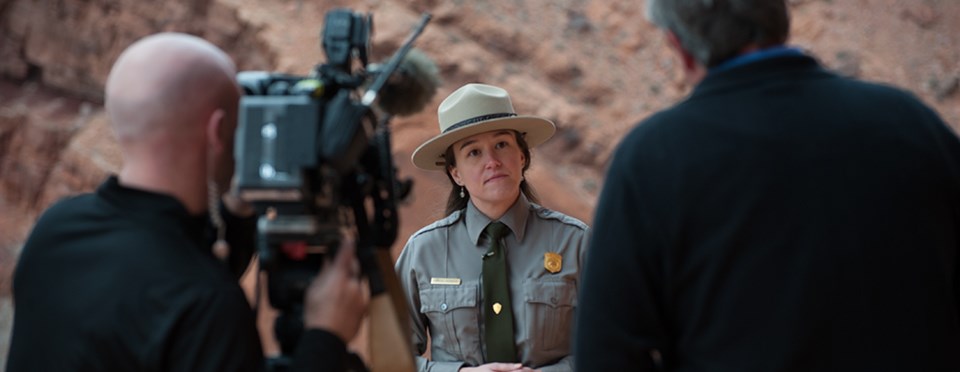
(693,71)
(214,129)
(689,63)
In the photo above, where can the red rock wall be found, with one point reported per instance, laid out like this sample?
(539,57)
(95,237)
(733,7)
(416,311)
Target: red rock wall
(70,44)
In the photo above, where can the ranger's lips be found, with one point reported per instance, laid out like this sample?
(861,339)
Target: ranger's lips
(495,177)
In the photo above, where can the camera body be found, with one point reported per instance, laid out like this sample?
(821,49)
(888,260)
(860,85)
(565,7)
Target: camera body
(291,125)
(315,161)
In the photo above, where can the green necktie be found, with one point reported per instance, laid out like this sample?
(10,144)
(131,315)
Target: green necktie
(497,312)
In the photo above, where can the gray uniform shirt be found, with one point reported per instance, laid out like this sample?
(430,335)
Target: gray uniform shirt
(440,268)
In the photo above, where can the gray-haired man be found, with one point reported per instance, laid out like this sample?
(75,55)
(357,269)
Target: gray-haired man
(780,218)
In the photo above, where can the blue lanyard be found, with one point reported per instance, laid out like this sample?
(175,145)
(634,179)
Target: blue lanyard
(758,55)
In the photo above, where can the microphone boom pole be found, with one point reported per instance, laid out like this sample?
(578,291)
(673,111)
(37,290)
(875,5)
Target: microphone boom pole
(388,317)
(370,96)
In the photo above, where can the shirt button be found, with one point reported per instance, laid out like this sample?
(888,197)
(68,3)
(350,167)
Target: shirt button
(443,307)
(553,300)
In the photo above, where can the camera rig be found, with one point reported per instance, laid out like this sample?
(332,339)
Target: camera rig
(314,158)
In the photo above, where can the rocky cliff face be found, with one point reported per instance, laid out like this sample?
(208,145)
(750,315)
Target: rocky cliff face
(593,66)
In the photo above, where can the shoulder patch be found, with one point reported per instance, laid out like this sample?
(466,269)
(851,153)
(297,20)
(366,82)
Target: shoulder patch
(549,214)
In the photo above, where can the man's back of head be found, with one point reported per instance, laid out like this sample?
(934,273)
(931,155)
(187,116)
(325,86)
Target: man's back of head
(172,101)
(161,82)
(716,30)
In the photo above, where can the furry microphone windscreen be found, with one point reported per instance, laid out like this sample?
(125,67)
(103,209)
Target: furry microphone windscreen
(412,85)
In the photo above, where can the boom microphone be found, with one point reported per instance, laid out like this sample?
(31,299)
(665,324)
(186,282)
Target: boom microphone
(412,85)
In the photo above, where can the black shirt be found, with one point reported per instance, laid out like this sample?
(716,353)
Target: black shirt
(122,280)
(782,218)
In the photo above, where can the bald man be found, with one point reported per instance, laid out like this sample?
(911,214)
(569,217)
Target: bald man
(124,279)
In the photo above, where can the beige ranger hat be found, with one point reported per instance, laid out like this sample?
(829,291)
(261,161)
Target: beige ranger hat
(474,109)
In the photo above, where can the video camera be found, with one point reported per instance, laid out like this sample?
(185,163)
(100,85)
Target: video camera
(314,158)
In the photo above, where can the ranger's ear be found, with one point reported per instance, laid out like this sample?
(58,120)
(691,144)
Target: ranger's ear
(455,174)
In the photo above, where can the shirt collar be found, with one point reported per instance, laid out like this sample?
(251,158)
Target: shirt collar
(151,207)
(757,55)
(515,218)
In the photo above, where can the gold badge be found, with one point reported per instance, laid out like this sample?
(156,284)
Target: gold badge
(552,262)
(497,307)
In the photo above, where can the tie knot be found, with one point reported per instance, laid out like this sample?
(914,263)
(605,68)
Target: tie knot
(496,230)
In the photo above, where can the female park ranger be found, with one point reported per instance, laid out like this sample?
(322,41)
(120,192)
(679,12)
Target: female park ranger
(495,282)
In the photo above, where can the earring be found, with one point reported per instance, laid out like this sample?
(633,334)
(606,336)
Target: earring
(461,192)
(220,248)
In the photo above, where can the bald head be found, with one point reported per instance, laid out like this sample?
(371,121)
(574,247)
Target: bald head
(168,84)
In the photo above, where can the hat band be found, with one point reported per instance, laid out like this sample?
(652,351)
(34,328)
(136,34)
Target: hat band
(478,119)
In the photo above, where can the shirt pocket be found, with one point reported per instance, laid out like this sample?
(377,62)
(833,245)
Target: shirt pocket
(550,309)
(454,319)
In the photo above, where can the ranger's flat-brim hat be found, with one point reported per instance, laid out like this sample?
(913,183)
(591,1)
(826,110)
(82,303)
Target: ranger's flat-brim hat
(475,109)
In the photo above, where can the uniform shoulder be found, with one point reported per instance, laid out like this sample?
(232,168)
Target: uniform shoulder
(438,224)
(549,214)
